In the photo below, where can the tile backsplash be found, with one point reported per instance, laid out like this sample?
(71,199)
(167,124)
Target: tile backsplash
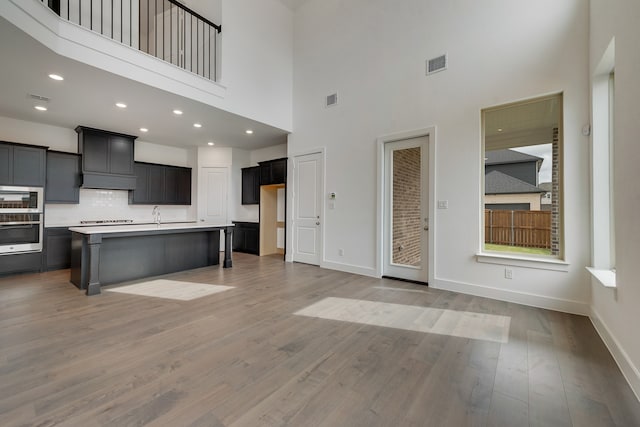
(110,204)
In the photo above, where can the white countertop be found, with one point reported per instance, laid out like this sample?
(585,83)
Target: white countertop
(131,228)
(135,222)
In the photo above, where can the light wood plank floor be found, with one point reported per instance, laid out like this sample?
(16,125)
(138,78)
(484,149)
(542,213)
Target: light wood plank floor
(243,358)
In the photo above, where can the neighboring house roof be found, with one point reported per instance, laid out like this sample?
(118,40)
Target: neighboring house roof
(498,157)
(496,182)
(546,186)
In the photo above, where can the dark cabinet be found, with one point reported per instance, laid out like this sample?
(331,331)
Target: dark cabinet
(177,185)
(246,237)
(20,263)
(251,185)
(161,185)
(57,248)
(6,164)
(273,172)
(63,178)
(29,166)
(107,159)
(22,165)
(140,194)
(156,185)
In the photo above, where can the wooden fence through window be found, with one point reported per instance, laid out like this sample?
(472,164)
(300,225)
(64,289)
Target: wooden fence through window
(529,229)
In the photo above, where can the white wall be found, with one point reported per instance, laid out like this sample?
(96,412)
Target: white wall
(257,59)
(24,132)
(267,153)
(373,53)
(615,312)
(98,204)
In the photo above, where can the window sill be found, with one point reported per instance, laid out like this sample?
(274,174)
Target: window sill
(521,261)
(606,278)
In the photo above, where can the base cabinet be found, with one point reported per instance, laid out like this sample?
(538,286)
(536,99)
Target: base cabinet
(246,237)
(57,248)
(20,263)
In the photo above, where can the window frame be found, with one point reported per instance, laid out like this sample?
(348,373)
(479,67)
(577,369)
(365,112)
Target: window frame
(603,255)
(542,261)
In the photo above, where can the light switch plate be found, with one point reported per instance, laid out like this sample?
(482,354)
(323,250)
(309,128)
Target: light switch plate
(443,204)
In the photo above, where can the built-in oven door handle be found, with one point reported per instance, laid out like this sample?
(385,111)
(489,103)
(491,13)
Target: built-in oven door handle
(23,224)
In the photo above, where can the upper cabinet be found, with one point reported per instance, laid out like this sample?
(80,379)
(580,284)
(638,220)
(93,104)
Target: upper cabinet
(273,172)
(251,185)
(107,159)
(63,178)
(177,185)
(161,185)
(22,165)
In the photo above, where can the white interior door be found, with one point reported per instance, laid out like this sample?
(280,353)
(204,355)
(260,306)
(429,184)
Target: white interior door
(307,198)
(213,195)
(406,209)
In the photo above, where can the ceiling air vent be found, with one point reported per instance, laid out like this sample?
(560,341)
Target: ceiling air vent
(436,64)
(39,97)
(331,100)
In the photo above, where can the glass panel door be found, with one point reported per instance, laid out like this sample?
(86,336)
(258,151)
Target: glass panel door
(406,207)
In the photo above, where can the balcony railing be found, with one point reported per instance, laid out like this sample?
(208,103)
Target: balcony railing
(165,29)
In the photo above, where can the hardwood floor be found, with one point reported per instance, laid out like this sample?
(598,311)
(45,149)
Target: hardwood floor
(243,358)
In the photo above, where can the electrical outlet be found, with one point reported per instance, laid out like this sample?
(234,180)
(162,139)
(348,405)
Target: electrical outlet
(508,273)
(341,252)
(443,204)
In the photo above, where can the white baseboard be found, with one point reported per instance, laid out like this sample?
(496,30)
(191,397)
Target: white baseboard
(350,268)
(557,304)
(629,370)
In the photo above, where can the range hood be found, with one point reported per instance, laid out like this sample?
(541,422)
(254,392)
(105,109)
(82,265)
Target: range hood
(107,159)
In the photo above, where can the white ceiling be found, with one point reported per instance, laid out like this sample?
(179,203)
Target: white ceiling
(88,95)
(525,116)
(293,4)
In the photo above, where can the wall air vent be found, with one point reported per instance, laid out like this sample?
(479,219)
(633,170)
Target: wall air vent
(331,100)
(436,64)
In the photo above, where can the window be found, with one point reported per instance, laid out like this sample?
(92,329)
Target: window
(602,194)
(522,172)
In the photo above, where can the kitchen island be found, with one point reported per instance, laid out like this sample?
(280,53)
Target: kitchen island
(105,255)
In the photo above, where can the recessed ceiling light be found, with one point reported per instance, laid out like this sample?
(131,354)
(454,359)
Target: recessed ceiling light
(499,129)
(56,77)
(248,131)
(41,108)
(177,112)
(144,130)
(121,105)
(210,143)
(197,125)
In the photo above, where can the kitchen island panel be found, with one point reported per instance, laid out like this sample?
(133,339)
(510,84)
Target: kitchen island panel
(99,259)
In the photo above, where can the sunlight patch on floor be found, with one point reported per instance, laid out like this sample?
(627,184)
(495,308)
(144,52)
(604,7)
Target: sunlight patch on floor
(170,289)
(465,324)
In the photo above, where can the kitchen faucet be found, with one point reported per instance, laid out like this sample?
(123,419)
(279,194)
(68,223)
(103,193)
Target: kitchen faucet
(156,215)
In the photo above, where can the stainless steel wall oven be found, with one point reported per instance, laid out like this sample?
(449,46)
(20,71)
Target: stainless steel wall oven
(21,219)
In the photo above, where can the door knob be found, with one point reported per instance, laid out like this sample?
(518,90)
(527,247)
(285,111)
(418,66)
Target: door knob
(317,222)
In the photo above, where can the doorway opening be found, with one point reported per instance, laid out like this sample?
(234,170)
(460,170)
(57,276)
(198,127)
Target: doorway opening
(272,219)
